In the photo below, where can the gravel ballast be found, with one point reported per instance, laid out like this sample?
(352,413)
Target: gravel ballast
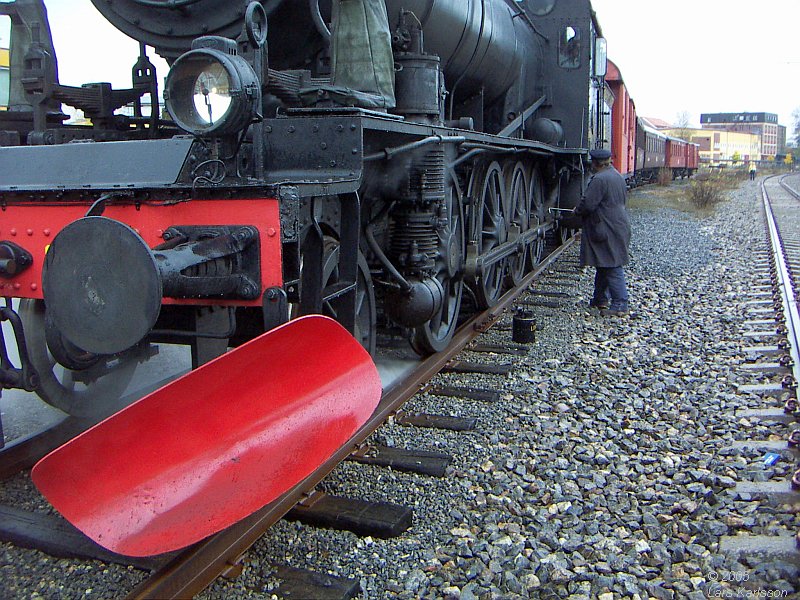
(606,469)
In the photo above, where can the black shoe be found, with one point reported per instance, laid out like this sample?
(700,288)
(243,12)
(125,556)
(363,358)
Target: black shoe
(615,313)
(601,306)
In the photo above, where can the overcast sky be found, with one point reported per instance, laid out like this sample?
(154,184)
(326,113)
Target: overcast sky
(678,55)
(704,56)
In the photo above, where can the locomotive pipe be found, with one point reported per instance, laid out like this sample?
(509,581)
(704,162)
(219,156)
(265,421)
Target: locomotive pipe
(388,153)
(369,233)
(319,22)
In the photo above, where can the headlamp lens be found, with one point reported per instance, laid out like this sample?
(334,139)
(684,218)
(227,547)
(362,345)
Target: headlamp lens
(212,96)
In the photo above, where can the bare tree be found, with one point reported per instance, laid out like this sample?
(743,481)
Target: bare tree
(796,119)
(683,125)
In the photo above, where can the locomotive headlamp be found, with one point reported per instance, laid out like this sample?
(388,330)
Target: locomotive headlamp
(211,91)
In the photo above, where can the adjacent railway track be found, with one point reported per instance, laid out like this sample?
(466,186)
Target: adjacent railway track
(784,266)
(775,306)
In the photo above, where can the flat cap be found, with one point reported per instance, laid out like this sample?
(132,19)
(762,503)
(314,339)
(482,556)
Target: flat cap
(600,154)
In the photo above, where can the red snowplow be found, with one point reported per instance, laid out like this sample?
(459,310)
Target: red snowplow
(214,446)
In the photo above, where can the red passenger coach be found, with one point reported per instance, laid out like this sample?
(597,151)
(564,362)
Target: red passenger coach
(692,158)
(676,155)
(682,157)
(623,124)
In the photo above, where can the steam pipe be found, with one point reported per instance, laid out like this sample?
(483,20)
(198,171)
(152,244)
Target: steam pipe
(319,22)
(369,232)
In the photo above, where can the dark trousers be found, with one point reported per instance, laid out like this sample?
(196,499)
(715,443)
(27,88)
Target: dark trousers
(610,288)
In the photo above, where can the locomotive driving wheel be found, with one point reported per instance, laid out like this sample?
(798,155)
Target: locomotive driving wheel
(519,214)
(435,335)
(365,294)
(537,217)
(490,229)
(79,383)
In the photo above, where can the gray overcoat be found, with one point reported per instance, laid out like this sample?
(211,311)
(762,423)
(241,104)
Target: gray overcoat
(606,228)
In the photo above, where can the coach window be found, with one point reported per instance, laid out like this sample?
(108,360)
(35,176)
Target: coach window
(569,48)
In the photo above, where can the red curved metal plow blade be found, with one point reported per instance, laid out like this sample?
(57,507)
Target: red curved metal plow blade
(214,446)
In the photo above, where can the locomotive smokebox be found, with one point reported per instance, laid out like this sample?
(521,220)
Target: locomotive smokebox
(103,285)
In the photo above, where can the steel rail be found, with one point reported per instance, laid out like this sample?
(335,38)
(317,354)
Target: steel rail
(784,283)
(789,188)
(196,568)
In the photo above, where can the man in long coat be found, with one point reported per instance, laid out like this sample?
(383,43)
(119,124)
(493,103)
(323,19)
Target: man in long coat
(606,234)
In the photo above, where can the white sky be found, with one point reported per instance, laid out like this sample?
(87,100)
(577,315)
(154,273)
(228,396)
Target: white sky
(706,56)
(678,55)
(89,48)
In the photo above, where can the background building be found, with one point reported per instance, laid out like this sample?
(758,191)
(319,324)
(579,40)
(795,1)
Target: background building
(781,139)
(721,147)
(765,125)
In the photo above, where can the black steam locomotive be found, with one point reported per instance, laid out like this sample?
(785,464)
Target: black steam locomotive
(377,161)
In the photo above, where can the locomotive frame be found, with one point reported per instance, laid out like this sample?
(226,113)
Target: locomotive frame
(317,200)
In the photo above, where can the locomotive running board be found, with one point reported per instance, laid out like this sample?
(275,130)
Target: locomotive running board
(214,446)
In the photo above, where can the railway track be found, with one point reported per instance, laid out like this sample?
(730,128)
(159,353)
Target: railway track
(187,573)
(774,332)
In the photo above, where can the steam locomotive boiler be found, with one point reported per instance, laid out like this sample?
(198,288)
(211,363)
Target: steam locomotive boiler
(383,162)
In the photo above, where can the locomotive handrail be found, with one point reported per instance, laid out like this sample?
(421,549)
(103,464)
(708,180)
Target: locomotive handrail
(521,118)
(319,22)
(388,153)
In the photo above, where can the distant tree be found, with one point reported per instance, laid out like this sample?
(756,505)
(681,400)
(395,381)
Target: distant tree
(683,125)
(736,157)
(796,117)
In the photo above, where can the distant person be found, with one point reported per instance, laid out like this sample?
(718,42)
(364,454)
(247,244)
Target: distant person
(606,234)
(752,171)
